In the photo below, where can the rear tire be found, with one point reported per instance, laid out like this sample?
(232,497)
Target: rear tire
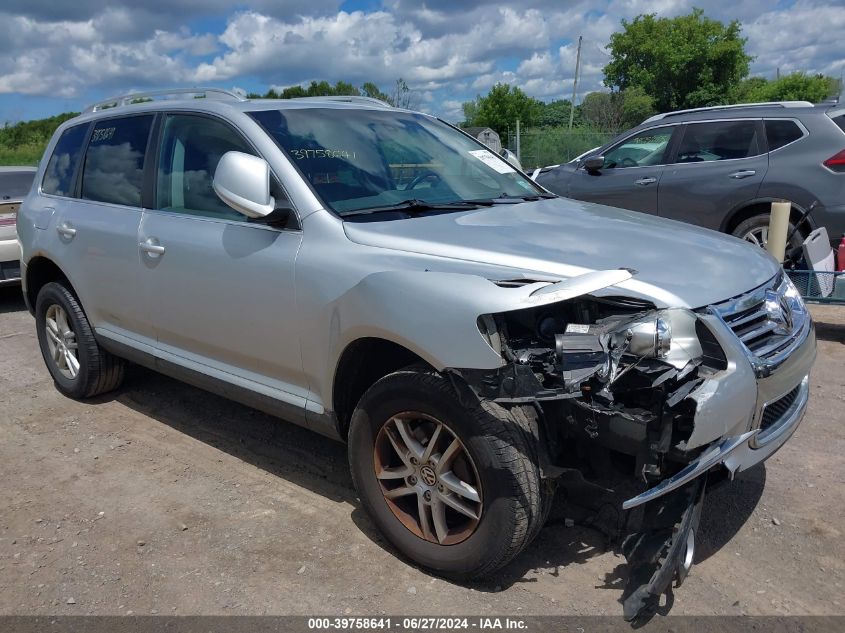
(79,366)
(756,229)
(498,463)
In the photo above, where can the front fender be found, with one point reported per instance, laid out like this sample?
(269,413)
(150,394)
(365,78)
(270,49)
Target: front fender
(435,314)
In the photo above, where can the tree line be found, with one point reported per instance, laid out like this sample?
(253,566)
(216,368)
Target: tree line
(23,143)
(656,65)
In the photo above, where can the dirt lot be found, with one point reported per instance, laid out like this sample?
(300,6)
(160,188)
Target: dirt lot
(161,498)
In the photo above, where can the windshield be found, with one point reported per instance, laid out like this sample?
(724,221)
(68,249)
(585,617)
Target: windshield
(366,159)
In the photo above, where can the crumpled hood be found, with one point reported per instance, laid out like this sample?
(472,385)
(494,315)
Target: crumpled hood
(677,264)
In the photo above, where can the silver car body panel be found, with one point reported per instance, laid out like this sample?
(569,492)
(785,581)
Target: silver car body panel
(272,310)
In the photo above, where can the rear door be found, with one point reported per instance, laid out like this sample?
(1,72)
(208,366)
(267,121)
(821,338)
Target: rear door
(717,166)
(631,173)
(221,288)
(97,219)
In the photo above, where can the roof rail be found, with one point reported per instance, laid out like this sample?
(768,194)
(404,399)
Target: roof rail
(762,104)
(133,97)
(346,99)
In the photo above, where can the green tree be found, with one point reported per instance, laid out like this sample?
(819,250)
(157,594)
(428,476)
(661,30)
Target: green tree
(797,86)
(683,62)
(616,111)
(369,89)
(556,113)
(500,109)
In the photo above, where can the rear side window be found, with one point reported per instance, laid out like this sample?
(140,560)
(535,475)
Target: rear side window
(114,163)
(780,133)
(58,177)
(840,121)
(719,140)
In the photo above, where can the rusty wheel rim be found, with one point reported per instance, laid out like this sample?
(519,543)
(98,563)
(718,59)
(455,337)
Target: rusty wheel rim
(428,478)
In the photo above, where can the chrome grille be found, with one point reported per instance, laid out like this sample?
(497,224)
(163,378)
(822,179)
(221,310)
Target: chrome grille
(767,319)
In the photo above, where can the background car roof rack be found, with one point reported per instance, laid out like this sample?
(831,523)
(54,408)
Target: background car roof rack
(346,99)
(761,104)
(136,97)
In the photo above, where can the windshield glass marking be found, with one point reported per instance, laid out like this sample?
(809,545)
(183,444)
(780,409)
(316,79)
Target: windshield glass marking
(488,158)
(358,159)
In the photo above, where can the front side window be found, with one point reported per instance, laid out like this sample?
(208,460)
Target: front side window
(719,140)
(58,177)
(114,163)
(358,160)
(643,149)
(191,147)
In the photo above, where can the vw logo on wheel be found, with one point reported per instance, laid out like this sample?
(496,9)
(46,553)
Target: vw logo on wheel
(428,476)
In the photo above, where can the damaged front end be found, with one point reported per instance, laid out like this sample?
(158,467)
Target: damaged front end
(606,371)
(640,404)
(614,381)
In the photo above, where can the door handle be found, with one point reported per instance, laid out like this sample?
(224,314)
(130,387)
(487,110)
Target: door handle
(745,173)
(152,247)
(645,181)
(66,230)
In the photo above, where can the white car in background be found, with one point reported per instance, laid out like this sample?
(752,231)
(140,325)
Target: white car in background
(15,183)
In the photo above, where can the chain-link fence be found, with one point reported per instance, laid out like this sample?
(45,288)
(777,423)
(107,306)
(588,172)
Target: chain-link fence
(540,147)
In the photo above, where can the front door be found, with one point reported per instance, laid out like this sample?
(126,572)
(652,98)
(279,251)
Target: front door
(220,289)
(631,173)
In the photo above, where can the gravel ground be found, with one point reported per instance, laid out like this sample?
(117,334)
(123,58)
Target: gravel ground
(161,498)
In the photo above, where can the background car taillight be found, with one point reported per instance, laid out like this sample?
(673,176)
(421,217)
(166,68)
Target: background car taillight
(836,162)
(8,213)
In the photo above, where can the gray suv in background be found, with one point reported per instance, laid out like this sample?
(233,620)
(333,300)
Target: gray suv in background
(721,168)
(378,276)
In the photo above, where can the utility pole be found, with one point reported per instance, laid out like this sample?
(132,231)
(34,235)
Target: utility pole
(575,83)
(518,148)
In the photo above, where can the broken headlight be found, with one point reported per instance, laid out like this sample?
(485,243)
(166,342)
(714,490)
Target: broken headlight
(650,339)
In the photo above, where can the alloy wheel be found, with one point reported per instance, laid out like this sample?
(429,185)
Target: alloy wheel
(428,478)
(758,236)
(61,341)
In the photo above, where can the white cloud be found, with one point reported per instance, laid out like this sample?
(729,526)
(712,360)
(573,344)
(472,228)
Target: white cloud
(447,51)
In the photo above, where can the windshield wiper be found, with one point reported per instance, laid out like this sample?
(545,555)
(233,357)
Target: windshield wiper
(414,206)
(508,199)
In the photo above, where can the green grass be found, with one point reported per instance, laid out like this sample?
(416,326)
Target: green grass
(24,155)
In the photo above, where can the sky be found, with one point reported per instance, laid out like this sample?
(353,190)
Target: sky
(60,55)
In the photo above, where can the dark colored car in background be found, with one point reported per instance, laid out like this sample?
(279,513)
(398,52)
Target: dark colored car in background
(721,167)
(15,183)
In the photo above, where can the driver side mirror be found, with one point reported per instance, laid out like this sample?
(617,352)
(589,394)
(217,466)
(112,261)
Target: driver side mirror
(593,164)
(242,181)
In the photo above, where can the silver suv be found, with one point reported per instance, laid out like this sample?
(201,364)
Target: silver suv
(378,276)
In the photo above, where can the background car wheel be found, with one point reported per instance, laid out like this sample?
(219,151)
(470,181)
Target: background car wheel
(756,230)
(453,485)
(79,366)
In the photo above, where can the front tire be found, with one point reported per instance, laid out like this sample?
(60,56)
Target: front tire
(454,486)
(79,366)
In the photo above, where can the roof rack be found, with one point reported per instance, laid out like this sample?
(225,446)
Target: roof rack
(346,99)
(762,104)
(134,97)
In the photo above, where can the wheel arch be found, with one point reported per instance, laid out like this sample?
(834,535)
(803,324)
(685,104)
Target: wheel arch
(41,270)
(360,365)
(750,208)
